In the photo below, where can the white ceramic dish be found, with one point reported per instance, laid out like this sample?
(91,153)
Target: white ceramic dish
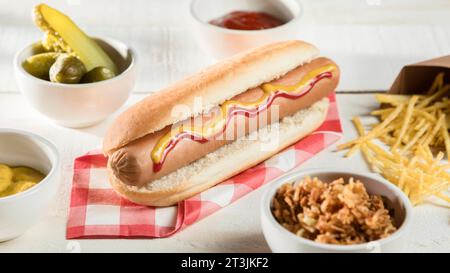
(221,42)
(282,240)
(20,211)
(79,105)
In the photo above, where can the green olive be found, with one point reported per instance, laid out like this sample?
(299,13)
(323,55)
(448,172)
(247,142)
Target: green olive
(39,64)
(67,69)
(97,74)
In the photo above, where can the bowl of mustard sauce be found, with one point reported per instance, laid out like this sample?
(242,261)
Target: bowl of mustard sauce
(29,167)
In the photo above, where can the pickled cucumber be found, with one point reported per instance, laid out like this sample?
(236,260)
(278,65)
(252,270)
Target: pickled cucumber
(97,74)
(6,177)
(26,174)
(67,69)
(50,43)
(39,65)
(71,38)
(38,48)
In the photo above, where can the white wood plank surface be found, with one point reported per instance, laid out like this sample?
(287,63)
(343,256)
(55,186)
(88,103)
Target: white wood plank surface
(370,39)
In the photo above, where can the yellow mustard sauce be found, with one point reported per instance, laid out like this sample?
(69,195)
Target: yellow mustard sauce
(217,124)
(17,179)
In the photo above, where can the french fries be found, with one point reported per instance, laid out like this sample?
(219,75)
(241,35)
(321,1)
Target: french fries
(412,127)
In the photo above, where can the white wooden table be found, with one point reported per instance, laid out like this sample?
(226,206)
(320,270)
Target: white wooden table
(371,40)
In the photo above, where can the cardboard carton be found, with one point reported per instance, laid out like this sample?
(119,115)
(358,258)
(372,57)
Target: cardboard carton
(417,78)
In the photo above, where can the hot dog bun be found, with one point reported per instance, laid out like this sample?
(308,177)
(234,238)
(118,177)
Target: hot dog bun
(223,163)
(132,165)
(193,166)
(214,85)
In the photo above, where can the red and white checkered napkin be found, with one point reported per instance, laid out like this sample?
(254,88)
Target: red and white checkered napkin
(96,211)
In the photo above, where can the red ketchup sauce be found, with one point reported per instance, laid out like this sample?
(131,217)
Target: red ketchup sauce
(247,20)
(238,111)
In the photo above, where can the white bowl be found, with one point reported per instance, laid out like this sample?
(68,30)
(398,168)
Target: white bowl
(220,42)
(20,211)
(79,105)
(282,240)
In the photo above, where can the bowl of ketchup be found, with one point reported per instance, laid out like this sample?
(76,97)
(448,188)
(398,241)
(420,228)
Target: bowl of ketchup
(247,20)
(227,27)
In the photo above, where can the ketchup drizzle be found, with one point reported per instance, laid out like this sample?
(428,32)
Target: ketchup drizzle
(236,111)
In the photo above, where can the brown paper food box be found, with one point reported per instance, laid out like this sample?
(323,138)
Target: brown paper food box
(417,78)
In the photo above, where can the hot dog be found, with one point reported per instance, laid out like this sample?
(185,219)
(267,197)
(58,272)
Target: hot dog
(161,148)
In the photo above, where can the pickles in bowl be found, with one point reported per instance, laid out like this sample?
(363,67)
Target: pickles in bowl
(66,53)
(73,79)
(97,95)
